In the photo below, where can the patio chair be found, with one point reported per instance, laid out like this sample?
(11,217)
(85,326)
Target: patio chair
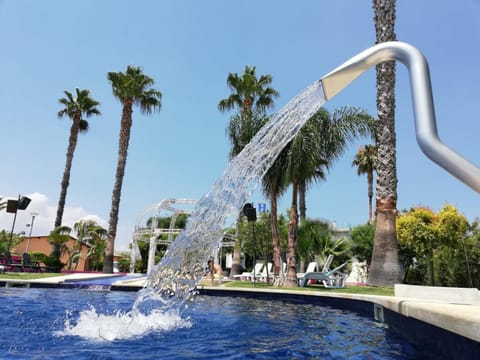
(267,273)
(329,278)
(312,267)
(249,275)
(29,265)
(12,263)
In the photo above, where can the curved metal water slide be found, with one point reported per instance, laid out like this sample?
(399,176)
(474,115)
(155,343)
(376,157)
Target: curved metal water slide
(422,99)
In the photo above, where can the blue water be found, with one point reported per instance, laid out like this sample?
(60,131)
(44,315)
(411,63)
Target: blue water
(40,324)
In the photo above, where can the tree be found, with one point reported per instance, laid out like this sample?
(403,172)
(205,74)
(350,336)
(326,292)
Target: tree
(248,92)
(98,245)
(321,141)
(334,132)
(77,109)
(366,163)
(416,231)
(274,184)
(385,267)
(83,229)
(438,245)
(251,96)
(362,241)
(58,238)
(131,88)
(453,231)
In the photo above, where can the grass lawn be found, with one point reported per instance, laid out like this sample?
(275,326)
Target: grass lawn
(27,276)
(349,289)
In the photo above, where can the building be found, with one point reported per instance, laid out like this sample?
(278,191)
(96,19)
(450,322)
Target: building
(41,244)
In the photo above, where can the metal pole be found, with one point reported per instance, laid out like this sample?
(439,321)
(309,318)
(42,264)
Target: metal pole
(13,227)
(30,235)
(254,254)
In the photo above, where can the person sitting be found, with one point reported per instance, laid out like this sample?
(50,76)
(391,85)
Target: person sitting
(214,269)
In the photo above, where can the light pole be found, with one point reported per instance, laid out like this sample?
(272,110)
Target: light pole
(12,207)
(31,228)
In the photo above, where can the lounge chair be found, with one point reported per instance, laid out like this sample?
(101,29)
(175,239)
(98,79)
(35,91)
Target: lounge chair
(266,274)
(249,275)
(312,267)
(330,278)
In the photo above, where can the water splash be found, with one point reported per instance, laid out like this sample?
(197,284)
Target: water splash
(175,277)
(120,325)
(173,280)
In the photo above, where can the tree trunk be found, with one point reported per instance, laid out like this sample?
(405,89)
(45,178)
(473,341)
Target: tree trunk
(236,267)
(291,278)
(386,268)
(277,258)
(370,196)
(385,265)
(72,144)
(302,204)
(123,141)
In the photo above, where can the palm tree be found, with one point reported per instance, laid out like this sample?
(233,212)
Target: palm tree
(83,229)
(248,92)
(78,108)
(334,133)
(98,244)
(251,96)
(58,238)
(274,184)
(321,141)
(366,163)
(386,268)
(132,87)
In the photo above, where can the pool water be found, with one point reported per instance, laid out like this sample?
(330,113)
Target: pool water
(77,324)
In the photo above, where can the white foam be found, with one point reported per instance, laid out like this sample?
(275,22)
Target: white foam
(120,325)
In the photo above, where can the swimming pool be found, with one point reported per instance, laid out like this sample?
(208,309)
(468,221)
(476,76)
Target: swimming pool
(66,324)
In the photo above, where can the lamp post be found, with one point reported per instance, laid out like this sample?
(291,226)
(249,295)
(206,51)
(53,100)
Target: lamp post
(12,207)
(31,228)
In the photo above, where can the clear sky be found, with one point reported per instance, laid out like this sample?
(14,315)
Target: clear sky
(188,47)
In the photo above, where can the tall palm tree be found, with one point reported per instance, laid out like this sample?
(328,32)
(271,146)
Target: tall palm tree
(386,268)
(131,87)
(366,163)
(77,109)
(274,184)
(251,96)
(321,141)
(248,92)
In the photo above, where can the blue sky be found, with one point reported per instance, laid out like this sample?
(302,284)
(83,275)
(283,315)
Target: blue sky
(188,47)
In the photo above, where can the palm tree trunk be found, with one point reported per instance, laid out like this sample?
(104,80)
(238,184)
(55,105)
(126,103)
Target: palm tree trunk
(72,144)
(386,268)
(124,139)
(277,258)
(236,268)
(370,196)
(291,278)
(302,190)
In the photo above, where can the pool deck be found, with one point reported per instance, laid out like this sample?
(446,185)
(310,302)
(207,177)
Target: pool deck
(453,309)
